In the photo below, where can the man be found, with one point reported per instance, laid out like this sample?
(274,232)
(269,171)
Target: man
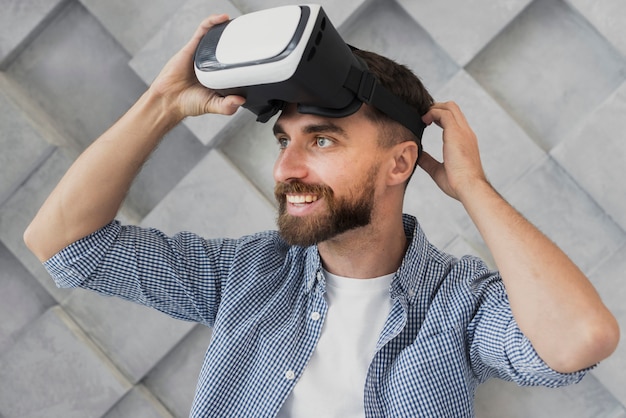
(348,311)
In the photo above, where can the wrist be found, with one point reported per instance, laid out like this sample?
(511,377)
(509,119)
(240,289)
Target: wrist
(162,110)
(477,188)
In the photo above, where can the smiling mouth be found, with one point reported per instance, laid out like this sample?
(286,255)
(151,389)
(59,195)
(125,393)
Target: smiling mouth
(301,199)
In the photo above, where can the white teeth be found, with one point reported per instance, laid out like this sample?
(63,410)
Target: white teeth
(301,198)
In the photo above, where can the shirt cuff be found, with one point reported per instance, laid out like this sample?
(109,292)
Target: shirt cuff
(71,266)
(530,368)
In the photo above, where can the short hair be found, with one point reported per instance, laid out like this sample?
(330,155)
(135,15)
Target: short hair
(402,82)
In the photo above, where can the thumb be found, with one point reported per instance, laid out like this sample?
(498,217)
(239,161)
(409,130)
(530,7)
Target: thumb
(437,171)
(233,103)
(429,164)
(225,105)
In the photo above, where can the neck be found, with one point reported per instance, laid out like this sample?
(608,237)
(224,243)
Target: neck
(367,252)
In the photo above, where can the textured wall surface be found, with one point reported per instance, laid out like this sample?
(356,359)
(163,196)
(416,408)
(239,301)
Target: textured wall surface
(542,82)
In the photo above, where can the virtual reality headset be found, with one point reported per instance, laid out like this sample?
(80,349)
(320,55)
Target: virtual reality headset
(293,54)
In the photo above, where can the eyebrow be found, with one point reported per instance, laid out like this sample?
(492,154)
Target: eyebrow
(326,127)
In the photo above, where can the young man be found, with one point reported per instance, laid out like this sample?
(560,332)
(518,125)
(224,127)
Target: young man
(348,310)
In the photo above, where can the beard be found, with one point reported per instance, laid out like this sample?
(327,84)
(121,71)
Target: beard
(341,215)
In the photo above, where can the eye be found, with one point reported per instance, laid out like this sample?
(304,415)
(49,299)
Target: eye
(323,142)
(282,142)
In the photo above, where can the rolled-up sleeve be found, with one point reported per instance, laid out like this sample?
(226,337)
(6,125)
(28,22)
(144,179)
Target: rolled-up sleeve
(74,264)
(179,275)
(500,349)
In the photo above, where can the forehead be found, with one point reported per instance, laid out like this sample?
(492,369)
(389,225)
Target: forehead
(290,120)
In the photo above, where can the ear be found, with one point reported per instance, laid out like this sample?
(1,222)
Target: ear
(404,159)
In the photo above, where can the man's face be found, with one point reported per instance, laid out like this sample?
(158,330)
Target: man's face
(325,175)
(339,214)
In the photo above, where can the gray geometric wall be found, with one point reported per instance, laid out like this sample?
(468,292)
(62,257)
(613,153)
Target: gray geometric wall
(543,84)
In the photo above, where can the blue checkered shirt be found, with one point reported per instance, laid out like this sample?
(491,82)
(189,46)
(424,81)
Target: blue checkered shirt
(449,329)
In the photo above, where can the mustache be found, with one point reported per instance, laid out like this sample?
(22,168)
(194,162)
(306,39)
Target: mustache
(297,187)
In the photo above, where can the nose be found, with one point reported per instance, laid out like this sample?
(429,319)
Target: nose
(291,164)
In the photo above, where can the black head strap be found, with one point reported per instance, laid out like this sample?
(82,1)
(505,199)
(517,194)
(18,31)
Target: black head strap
(369,90)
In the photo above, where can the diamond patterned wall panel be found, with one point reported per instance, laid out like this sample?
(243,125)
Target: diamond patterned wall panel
(339,11)
(587,399)
(608,17)
(507,153)
(563,210)
(119,17)
(611,372)
(54,370)
(252,147)
(17,212)
(174,379)
(23,147)
(68,69)
(20,22)
(464,28)
(133,337)
(22,299)
(87,95)
(384,27)
(168,40)
(549,69)
(542,83)
(139,403)
(595,151)
(208,198)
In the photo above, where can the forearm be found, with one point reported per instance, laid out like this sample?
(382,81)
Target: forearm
(92,191)
(552,301)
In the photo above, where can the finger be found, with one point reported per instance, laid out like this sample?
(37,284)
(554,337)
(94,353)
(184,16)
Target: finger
(449,117)
(211,21)
(204,27)
(456,111)
(442,113)
(429,164)
(448,105)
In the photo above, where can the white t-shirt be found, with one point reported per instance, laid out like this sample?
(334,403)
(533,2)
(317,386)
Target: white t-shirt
(332,384)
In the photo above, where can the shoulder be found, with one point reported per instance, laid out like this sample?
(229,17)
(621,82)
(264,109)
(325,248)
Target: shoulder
(436,274)
(468,273)
(462,287)
(262,251)
(260,244)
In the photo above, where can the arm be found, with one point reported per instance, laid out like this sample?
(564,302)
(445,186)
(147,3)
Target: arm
(91,192)
(552,301)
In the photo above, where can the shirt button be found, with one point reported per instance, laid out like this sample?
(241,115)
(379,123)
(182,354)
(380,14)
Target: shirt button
(319,276)
(290,375)
(315,316)
(411,293)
